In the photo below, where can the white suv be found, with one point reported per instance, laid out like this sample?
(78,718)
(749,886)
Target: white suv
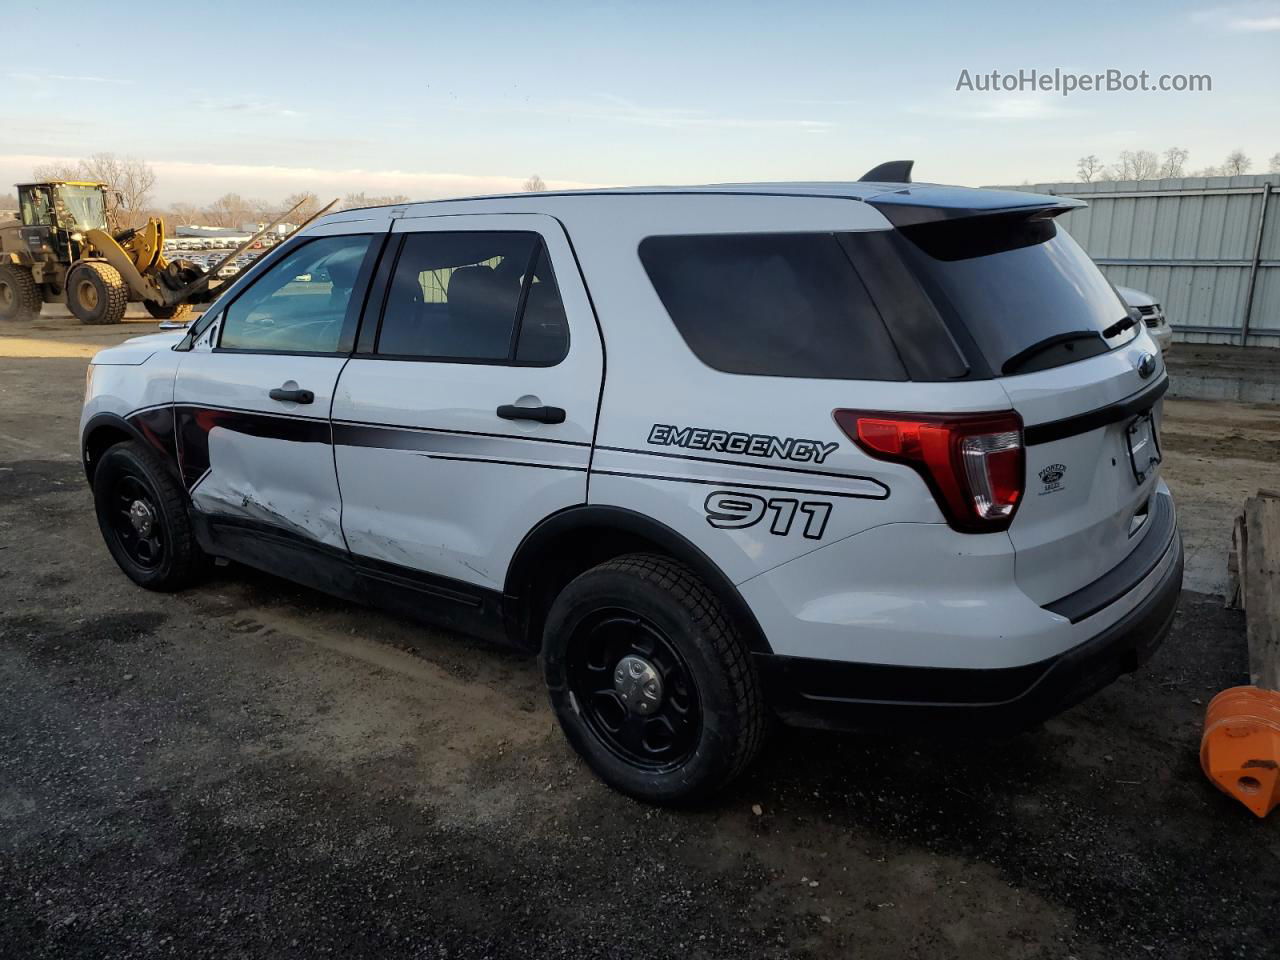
(830,452)
(1152,314)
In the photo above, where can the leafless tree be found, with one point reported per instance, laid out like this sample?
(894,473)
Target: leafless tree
(184,214)
(58,170)
(310,204)
(1236,163)
(229,210)
(1175,159)
(9,201)
(534,184)
(362,199)
(1137,165)
(1274,163)
(1088,168)
(131,178)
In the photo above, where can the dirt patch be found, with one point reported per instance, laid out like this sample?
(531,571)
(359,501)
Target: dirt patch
(83,643)
(25,479)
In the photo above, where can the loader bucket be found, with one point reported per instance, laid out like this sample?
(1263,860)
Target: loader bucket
(1240,750)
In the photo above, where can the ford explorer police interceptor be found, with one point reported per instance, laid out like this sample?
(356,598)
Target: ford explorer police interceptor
(833,453)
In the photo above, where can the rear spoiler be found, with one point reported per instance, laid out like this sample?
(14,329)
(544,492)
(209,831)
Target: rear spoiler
(906,208)
(960,224)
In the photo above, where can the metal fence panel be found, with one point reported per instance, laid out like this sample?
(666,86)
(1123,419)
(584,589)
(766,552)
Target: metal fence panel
(1191,243)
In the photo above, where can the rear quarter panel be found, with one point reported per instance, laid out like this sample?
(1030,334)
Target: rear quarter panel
(656,388)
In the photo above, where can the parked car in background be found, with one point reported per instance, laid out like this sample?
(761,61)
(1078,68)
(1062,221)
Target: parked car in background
(1152,315)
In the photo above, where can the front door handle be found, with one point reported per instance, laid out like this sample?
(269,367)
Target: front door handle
(509,411)
(292,396)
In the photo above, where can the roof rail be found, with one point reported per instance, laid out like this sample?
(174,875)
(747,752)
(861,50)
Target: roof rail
(894,171)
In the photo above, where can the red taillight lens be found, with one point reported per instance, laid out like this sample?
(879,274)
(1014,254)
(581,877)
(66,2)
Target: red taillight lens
(973,463)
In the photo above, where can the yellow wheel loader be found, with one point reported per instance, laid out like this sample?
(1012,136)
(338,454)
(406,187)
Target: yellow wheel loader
(61,248)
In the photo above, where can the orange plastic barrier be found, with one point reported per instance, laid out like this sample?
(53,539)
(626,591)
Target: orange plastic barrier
(1240,750)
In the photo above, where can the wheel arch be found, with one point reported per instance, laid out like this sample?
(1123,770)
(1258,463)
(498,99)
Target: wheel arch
(104,431)
(578,538)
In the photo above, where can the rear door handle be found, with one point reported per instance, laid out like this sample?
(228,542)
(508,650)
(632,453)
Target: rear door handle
(509,411)
(292,396)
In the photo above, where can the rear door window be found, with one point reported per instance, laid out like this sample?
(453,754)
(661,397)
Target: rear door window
(479,297)
(779,305)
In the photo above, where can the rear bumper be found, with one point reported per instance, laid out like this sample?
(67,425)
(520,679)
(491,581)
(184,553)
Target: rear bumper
(841,696)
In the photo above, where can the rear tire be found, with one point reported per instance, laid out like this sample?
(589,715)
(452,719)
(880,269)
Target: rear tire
(179,312)
(19,296)
(96,293)
(142,513)
(644,626)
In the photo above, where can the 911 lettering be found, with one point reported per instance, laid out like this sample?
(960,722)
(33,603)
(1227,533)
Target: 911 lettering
(751,444)
(729,510)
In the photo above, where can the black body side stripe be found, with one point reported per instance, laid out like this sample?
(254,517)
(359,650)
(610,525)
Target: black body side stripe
(265,414)
(734,484)
(341,426)
(512,463)
(447,441)
(194,424)
(1084,422)
(755,465)
(180,432)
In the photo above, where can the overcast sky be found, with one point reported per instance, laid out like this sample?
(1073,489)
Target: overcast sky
(438,99)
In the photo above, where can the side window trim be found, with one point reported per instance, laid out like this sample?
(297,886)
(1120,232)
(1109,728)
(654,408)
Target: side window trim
(380,293)
(518,324)
(376,297)
(355,306)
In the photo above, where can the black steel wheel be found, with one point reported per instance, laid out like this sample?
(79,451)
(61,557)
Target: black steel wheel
(135,521)
(142,514)
(634,689)
(651,680)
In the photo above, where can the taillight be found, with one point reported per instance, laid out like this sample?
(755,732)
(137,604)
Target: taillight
(973,463)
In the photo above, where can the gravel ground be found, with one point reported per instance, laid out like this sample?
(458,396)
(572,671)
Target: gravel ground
(251,769)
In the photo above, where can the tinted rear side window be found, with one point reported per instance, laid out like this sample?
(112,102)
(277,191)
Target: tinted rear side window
(781,305)
(474,297)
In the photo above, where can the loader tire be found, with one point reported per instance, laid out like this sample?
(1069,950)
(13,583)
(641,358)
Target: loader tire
(96,293)
(181,311)
(19,296)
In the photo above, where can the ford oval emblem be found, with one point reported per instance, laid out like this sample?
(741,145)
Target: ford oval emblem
(1146,365)
(1052,473)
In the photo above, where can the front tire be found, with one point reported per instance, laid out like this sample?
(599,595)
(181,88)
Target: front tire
(142,514)
(19,296)
(651,680)
(96,293)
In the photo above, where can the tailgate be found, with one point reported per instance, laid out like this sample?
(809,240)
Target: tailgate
(1092,435)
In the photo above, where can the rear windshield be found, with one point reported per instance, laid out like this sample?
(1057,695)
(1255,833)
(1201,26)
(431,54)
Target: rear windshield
(1019,288)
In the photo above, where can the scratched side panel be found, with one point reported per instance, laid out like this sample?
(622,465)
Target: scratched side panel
(245,455)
